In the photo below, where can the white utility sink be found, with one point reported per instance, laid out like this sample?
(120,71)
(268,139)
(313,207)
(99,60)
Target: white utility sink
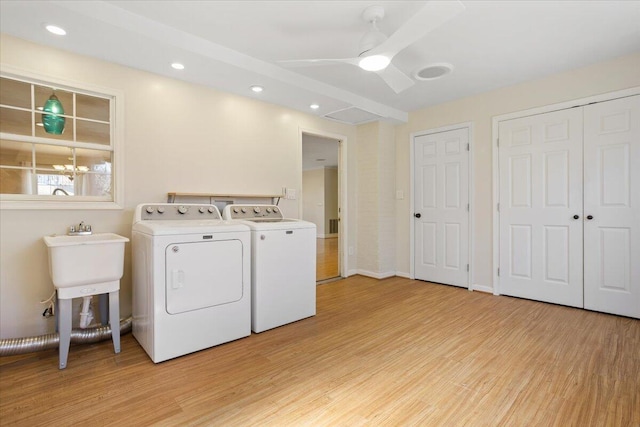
(85,260)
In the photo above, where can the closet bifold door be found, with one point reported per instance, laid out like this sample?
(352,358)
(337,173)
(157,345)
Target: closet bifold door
(540,161)
(612,206)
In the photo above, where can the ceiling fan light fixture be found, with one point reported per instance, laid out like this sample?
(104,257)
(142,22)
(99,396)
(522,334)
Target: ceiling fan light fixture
(374,62)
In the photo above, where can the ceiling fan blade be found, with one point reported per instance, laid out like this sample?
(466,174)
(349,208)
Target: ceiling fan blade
(430,17)
(396,79)
(315,62)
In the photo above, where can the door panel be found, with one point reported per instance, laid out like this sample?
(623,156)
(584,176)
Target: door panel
(540,192)
(612,198)
(441,197)
(203,274)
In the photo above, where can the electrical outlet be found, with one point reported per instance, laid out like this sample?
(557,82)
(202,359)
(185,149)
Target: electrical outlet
(351,251)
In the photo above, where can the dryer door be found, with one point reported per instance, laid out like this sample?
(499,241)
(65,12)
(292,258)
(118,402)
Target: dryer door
(202,274)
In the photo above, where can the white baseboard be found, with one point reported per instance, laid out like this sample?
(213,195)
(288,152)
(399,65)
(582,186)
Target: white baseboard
(403,274)
(351,273)
(482,288)
(327,236)
(377,275)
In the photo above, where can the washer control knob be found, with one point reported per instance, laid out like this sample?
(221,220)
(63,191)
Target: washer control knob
(268,210)
(244,210)
(182,210)
(256,209)
(160,210)
(235,210)
(210,209)
(201,209)
(149,209)
(275,210)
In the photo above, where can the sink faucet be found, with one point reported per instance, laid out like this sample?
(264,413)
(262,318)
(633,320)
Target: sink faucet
(81,229)
(62,190)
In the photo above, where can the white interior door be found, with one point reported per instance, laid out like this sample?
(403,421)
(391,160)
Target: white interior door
(612,206)
(441,202)
(541,207)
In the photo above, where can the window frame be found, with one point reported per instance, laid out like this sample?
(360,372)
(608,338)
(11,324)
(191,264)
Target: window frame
(42,202)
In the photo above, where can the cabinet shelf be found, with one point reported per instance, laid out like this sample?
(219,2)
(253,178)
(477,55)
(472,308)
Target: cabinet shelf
(171,197)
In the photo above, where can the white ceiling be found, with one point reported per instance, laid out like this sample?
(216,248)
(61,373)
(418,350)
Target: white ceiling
(231,45)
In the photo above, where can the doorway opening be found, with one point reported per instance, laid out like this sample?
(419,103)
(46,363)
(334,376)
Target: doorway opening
(321,200)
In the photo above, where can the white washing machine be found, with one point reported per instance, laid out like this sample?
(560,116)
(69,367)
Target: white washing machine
(191,279)
(283,267)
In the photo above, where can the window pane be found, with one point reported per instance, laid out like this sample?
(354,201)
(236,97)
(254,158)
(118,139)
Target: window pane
(49,155)
(15,121)
(91,107)
(97,133)
(94,160)
(67,131)
(94,184)
(52,184)
(15,181)
(14,153)
(15,93)
(42,94)
(98,180)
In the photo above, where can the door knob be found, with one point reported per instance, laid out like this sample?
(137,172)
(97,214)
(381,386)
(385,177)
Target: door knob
(417,215)
(576,217)
(589,217)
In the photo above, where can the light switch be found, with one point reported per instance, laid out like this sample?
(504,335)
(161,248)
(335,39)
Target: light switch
(399,194)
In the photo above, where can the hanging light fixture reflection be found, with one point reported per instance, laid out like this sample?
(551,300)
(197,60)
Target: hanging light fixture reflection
(54,122)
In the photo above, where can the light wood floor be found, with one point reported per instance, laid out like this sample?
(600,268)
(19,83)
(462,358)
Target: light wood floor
(389,352)
(327,259)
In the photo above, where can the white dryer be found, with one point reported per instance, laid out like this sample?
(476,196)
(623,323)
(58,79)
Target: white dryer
(191,279)
(283,267)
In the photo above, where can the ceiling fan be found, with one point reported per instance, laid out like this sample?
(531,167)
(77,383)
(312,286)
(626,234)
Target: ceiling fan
(377,50)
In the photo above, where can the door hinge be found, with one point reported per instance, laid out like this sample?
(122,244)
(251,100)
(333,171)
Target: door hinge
(467,267)
(498,142)
(468,147)
(467,207)
(498,206)
(498,271)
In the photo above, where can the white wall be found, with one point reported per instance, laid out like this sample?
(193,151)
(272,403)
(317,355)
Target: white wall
(596,79)
(178,137)
(331,194)
(376,207)
(313,198)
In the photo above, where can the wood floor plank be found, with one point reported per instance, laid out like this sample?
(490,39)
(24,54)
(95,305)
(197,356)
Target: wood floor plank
(379,352)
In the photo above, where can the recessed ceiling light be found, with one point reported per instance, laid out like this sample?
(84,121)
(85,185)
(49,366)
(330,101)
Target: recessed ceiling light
(256,88)
(177,66)
(56,30)
(432,71)
(314,106)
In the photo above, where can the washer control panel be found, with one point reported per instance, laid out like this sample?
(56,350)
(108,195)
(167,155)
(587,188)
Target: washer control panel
(250,212)
(169,211)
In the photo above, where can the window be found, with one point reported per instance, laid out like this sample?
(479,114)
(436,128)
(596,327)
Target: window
(58,145)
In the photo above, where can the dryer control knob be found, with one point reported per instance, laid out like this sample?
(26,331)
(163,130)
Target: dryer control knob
(182,210)
(268,210)
(149,209)
(244,210)
(256,209)
(160,210)
(201,209)
(275,209)
(235,210)
(210,209)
